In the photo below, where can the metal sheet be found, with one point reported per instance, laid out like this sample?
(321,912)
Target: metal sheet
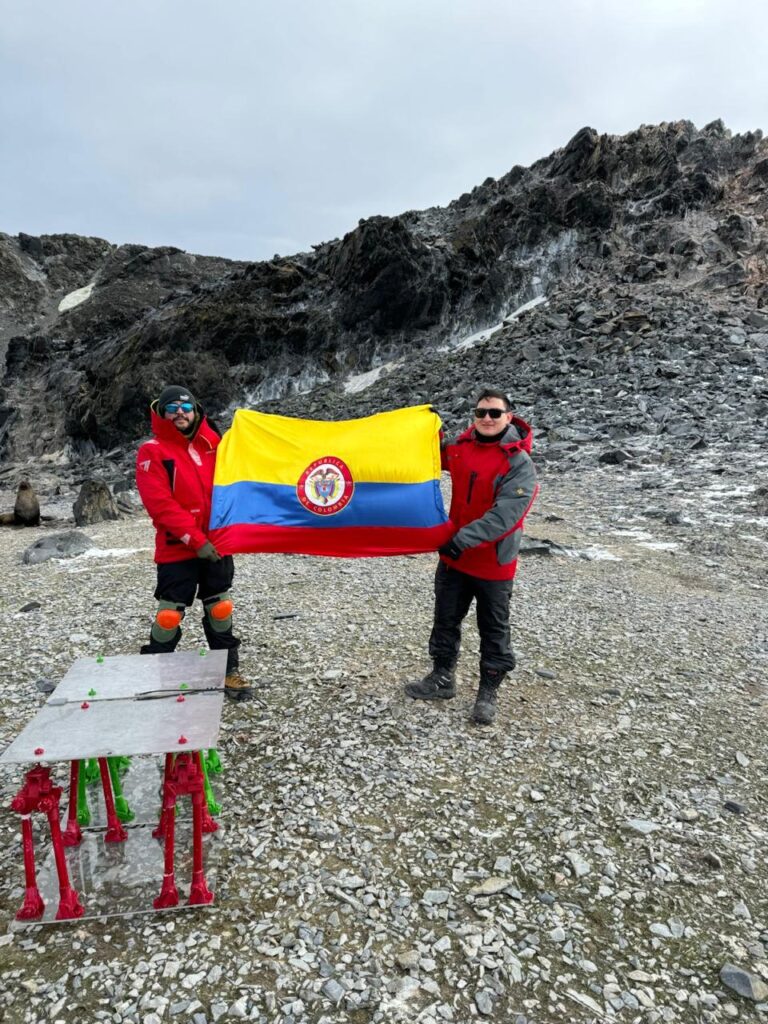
(105,728)
(126,675)
(115,879)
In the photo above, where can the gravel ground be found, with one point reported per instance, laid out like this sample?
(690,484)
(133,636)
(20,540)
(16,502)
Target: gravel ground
(599,854)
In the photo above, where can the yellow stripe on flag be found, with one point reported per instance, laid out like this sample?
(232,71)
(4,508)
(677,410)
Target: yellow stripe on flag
(394,447)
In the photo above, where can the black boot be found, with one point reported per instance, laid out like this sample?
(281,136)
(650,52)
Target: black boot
(484,710)
(440,684)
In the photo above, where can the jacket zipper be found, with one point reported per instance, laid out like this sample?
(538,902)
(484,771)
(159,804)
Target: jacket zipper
(472,478)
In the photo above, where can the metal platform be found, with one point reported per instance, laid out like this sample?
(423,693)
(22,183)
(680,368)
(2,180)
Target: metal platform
(129,704)
(126,676)
(119,879)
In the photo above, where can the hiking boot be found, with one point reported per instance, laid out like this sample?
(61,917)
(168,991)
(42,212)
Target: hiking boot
(440,684)
(236,688)
(484,710)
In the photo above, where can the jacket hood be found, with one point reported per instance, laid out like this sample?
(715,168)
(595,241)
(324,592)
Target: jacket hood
(517,436)
(165,430)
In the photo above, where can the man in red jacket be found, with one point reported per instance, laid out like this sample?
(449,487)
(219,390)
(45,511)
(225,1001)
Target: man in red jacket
(494,485)
(174,475)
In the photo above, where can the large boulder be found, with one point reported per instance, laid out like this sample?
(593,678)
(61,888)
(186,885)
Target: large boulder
(94,504)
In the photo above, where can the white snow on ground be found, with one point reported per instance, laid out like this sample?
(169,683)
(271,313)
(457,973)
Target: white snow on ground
(486,332)
(478,336)
(594,553)
(71,564)
(360,381)
(524,308)
(75,298)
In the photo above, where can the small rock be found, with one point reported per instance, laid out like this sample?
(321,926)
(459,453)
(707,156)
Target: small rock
(484,1002)
(334,990)
(735,807)
(490,887)
(744,982)
(687,814)
(408,960)
(580,866)
(643,827)
(436,896)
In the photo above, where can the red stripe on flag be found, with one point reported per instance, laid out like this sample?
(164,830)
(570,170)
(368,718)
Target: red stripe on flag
(342,542)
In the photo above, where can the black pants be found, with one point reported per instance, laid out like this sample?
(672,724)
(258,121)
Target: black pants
(454,592)
(181,582)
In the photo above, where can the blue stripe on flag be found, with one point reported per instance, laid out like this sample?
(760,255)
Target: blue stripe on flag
(372,504)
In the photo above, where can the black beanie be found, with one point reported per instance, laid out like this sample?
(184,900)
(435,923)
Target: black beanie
(174,393)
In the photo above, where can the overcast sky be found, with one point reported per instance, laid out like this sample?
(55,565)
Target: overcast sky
(243,128)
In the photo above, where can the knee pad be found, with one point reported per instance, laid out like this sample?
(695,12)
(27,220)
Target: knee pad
(218,610)
(167,621)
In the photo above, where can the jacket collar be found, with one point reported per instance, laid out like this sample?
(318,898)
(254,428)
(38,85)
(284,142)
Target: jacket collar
(517,437)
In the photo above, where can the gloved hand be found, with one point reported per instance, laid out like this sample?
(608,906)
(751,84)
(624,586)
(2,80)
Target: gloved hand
(450,549)
(208,552)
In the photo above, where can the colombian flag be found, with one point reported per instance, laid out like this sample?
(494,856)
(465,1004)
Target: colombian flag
(355,488)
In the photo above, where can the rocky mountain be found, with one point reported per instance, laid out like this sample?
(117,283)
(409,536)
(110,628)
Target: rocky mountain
(646,253)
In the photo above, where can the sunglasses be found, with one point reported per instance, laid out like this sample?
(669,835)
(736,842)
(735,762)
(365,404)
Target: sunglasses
(174,407)
(495,414)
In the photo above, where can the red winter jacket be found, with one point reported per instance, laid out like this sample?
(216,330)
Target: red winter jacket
(494,486)
(174,475)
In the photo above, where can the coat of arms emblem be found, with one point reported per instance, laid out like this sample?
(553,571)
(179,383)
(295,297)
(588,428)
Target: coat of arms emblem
(326,486)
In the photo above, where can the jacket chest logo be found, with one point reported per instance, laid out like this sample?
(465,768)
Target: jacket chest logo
(195,456)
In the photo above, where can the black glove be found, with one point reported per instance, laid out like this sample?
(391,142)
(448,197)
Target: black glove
(208,552)
(450,549)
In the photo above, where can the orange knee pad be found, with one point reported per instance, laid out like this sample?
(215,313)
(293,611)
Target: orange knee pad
(222,610)
(168,618)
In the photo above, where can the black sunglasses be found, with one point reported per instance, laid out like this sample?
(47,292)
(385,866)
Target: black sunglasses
(495,414)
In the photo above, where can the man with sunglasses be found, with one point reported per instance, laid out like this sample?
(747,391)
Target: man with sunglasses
(174,475)
(493,487)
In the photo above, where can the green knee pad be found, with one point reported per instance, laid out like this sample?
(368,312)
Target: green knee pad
(167,621)
(218,611)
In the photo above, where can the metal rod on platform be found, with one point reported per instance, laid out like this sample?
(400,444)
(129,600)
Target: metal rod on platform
(83,814)
(210,807)
(122,809)
(33,905)
(115,832)
(159,832)
(72,834)
(69,904)
(199,893)
(169,894)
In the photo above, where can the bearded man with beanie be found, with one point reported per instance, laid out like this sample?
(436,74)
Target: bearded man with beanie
(174,476)
(493,487)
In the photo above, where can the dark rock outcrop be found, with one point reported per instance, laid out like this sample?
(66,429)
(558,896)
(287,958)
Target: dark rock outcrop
(666,212)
